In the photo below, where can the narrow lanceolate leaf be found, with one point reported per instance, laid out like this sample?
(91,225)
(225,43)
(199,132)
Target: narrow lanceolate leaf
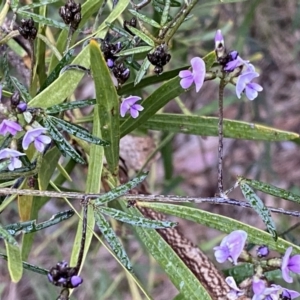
(164,16)
(208,126)
(136,50)
(112,240)
(271,190)
(31,226)
(108,106)
(135,220)
(62,144)
(42,20)
(257,204)
(222,223)
(69,106)
(14,261)
(21,88)
(142,36)
(77,131)
(29,267)
(184,280)
(120,190)
(144,19)
(143,70)
(33,5)
(56,72)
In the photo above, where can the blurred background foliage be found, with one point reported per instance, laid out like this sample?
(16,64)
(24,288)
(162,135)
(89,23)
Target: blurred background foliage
(267,32)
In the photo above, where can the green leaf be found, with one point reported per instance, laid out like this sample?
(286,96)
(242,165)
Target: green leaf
(31,226)
(181,276)
(135,50)
(143,70)
(144,19)
(112,240)
(208,126)
(14,261)
(108,106)
(119,30)
(69,105)
(42,20)
(134,220)
(28,266)
(165,14)
(271,190)
(222,223)
(257,204)
(65,85)
(142,36)
(33,5)
(120,190)
(77,131)
(22,89)
(62,144)
(67,58)
(4,234)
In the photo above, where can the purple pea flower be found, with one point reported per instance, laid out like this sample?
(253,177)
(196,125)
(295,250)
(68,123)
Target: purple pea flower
(196,76)
(13,155)
(10,126)
(290,264)
(235,291)
(244,84)
(289,294)
(262,251)
(22,107)
(231,246)
(129,104)
(35,135)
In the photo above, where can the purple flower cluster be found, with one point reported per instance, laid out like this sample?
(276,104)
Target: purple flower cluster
(64,276)
(33,135)
(232,62)
(231,248)
(129,104)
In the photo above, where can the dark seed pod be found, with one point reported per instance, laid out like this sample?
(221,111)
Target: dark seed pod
(15,99)
(131,23)
(159,58)
(71,14)
(27,29)
(121,73)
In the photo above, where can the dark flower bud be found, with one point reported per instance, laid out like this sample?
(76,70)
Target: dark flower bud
(21,107)
(27,29)
(262,251)
(131,23)
(15,99)
(71,14)
(64,276)
(159,58)
(121,73)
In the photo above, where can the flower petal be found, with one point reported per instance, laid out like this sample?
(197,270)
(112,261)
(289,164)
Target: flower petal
(284,265)
(134,113)
(185,83)
(198,66)
(221,254)
(185,73)
(294,264)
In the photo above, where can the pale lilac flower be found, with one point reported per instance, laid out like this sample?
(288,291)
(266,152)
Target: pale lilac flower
(235,62)
(231,246)
(13,155)
(129,104)
(290,264)
(196,76)
(9,126)
(235,292)
(258,286)
(35,135)
(244,84)
(289,294)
